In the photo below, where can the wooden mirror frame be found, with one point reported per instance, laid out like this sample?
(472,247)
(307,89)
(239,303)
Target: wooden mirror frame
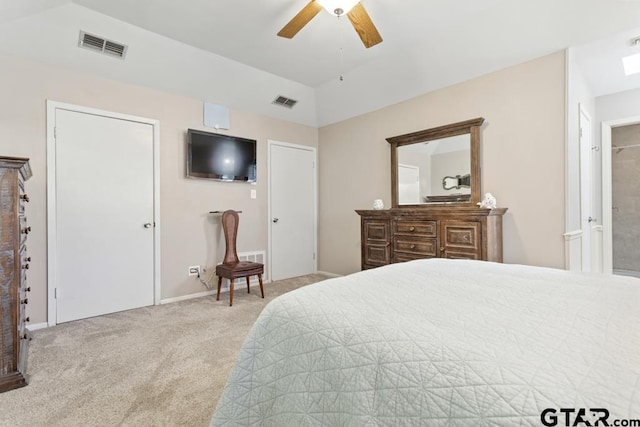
(472,127)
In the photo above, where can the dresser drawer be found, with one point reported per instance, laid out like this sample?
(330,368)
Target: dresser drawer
(419,247)
(453,254)
(461,235)
(402,257)
(377,254)
(376,231)
(421,228)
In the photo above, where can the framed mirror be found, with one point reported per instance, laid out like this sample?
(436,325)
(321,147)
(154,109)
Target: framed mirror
(438,165)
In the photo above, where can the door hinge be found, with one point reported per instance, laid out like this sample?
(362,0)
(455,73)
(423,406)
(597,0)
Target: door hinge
(55,293)
(314,255)
(580,132)
(55,132)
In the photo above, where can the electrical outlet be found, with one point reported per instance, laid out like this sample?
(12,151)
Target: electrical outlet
(253,193)
(194,270)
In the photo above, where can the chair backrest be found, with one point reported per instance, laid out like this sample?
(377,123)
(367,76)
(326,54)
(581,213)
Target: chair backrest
(230,222)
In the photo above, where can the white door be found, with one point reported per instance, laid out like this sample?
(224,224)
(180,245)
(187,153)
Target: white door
(585,189)
(408,184)
(104,215)
(292,200)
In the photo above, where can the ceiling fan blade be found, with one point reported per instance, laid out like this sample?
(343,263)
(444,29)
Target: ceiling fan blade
(300,20)
(364,26)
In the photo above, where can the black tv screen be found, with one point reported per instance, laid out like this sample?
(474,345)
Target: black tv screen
(220,157)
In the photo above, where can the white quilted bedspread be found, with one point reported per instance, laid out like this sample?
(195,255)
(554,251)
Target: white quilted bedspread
(440,342)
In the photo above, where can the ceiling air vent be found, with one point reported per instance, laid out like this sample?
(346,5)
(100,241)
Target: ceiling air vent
(284,101)
(99,44)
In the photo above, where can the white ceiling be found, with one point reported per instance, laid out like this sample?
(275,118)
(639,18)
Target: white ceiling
(601,63)
(428,44)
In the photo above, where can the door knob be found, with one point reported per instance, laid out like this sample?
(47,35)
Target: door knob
(592,219)
(147,225)
(275,220)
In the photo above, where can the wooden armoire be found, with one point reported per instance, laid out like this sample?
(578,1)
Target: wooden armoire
(14,264)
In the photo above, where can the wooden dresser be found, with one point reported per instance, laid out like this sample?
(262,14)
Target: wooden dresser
(403,234)
(13,267)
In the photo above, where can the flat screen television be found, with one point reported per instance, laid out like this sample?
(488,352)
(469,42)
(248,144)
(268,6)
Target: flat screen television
(220,157)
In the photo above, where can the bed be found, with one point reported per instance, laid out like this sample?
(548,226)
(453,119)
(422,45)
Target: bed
(442,342)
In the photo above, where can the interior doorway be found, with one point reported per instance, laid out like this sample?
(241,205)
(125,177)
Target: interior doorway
(102,210)
(409,184)
(292,209)
(625,193)
(611,149)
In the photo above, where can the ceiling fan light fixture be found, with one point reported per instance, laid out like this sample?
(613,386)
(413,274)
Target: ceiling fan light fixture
(338,7)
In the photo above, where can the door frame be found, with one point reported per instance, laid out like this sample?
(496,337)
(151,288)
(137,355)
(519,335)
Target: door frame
(313,150)
(587,263)
(413,167)
(607,190)
(52,106)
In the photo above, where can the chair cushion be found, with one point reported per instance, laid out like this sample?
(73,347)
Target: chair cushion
(239,269)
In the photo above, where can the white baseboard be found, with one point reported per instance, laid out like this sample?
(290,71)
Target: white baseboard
(37,326)
(573,250)
(326,273)
(186,297)
(223,289)
(596,249)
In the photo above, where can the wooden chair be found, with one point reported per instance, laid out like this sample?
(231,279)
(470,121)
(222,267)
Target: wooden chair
(232,268)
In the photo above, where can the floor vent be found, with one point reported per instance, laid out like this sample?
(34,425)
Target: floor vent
(284,101)
(99,44)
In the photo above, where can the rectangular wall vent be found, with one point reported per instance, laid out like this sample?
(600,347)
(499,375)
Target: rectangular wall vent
(102,45)
(284,101)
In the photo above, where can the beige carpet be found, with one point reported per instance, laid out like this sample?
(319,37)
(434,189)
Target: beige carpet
(156,366)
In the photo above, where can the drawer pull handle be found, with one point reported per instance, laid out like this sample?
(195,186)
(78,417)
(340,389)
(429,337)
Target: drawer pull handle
(25,267)
(25,198)
(24,337)
(25,301)
(441,249)
(412,229)
(413,246)
(28,289)
(27,259)
(28,319)
(26,230)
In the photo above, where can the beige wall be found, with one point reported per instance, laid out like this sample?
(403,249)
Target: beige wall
(522,158)
(189,235)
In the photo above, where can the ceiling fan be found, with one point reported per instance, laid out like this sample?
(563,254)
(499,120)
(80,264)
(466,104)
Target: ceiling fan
(355,12)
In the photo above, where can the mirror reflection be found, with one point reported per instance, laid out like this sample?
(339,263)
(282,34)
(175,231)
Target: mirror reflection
(435,171)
